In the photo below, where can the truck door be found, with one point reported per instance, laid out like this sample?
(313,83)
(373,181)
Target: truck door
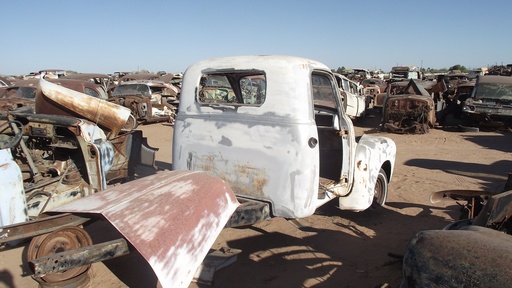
(336,137)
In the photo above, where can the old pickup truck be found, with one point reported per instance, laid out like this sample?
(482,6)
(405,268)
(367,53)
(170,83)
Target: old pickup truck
(274,129)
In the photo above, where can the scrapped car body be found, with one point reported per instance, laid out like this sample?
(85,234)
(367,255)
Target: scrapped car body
(51,97)
(490,104)
(455,79)
(171,219)
(23,93)
(278,135)
(354,101)
(399,73)
(372,88)
(410,109)
(63,157)
(139,76)
(359,74)
(475,251)
(103,80)
(452,113)
(51,176)
(148,100)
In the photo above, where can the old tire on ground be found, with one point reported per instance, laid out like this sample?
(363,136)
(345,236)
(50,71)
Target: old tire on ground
(468,129)
(381,190)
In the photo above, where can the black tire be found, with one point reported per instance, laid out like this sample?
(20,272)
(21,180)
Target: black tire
(468,129)
(381,190)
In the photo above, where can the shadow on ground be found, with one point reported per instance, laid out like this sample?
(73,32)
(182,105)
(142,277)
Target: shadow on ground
(348,249)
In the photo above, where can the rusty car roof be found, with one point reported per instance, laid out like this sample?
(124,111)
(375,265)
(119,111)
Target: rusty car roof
(85,76)
(139,76)
(151,83)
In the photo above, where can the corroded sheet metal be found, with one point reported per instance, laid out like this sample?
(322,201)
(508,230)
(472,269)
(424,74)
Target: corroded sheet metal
(102,112)
(408,114)
(71,259)
(171,218)
(474,257)
(14,103)
(496,212)
(38,227)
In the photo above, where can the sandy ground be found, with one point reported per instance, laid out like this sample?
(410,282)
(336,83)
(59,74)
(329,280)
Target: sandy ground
(332,248)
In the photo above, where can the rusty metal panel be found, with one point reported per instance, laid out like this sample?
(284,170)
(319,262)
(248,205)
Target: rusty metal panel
(40,226)
(66,260)
(172,218)
(496,211)
(111,116)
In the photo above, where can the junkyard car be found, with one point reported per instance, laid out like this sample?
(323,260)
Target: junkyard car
(408,108)
(27,88)
(354,101)
(149,100)
(452,113)
(97,78)
(399,73)
(23,92)
(490,104)
(64,157)
(372,88)
(359,74)
(55,168)
(274,128)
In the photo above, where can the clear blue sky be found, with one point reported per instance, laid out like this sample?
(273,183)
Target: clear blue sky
(107,36)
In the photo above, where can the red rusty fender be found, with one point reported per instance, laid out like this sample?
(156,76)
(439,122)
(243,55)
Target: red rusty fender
(172,218)
(99,111)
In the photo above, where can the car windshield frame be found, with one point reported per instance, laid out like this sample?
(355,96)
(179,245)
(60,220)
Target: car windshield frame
(132,89)
(494,91)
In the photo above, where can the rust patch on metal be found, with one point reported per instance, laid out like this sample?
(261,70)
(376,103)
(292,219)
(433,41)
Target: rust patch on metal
(408,109)
(57,100)
(361,166)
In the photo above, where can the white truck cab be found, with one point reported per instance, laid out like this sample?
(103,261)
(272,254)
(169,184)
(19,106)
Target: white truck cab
(274,129)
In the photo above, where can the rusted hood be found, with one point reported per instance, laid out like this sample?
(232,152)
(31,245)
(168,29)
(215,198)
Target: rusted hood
(414,88)
(172,218)
(56,99)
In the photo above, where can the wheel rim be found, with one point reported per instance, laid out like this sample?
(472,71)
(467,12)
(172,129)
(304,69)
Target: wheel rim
(379,197)
(378,191)
(65,239)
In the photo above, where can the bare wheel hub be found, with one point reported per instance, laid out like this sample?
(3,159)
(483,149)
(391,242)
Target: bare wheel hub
(61,240)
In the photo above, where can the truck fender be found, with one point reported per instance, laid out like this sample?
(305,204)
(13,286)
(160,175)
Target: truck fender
(171,218)
(372,154)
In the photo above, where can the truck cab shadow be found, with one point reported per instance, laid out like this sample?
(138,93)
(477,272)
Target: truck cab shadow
(332,248)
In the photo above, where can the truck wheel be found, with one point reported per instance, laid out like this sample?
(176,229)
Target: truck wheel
(381,190)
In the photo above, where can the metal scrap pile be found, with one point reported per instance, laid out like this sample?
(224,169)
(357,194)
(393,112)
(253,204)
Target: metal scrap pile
(500,70)
(70,146)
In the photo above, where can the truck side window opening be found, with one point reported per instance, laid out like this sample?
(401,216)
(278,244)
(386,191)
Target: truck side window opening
(323,89)
(330,144)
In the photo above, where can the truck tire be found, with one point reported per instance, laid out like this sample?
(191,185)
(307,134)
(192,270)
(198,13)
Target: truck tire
(381,190)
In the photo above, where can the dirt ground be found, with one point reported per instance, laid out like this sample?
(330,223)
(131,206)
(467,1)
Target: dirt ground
(331,248)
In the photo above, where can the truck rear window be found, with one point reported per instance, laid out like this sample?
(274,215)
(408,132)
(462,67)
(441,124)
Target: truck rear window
(233,88)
